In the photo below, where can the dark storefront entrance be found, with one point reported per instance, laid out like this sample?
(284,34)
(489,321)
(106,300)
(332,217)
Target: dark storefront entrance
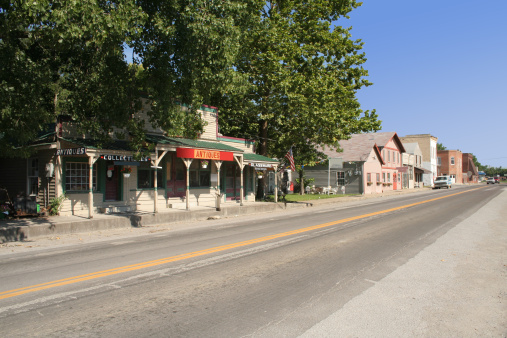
(112,192)
(176,175)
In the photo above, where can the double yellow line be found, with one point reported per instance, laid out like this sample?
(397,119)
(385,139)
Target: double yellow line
(143,265)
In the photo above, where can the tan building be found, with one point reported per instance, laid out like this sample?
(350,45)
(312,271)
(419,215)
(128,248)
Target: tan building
(428,145)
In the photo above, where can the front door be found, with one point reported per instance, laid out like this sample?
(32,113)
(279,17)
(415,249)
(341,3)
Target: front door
(176,175)
(232,182)
(112,192)
(395,181)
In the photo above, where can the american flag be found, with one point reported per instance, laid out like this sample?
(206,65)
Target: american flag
(291,160)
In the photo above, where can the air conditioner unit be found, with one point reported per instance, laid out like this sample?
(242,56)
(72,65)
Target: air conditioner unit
(50,169)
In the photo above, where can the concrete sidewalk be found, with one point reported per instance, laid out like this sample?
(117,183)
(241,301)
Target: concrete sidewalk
(12,230)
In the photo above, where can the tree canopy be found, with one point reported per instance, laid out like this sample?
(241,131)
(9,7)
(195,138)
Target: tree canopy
(440,146)
(280,72)
(302,73)
(64,57)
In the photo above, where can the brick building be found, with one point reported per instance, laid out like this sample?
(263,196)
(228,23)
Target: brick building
(450,163)
(470,171)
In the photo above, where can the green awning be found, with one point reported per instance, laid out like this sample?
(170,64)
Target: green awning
(258,158)
(189,143)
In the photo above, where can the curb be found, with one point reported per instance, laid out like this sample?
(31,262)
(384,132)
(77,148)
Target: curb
(14,233)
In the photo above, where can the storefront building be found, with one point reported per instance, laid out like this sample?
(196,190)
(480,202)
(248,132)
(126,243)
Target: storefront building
(178,173)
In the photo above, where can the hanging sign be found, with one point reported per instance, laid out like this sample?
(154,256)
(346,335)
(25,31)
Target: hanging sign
(260,165)
(71,151)
(126,158)
(204,154)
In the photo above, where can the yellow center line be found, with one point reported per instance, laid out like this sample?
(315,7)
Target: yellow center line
(143,265)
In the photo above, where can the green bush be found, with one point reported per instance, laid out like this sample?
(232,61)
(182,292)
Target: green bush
(55,204)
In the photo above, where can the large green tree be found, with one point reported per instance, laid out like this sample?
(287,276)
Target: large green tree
(302,74)
(65,58)
(188,49)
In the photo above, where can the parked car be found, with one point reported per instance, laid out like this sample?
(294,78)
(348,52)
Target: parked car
(442,181)
(490,180)
(497,180)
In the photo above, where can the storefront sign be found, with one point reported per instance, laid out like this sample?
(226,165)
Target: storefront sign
(205,154)
(70,151)
(260,165)
(125,158)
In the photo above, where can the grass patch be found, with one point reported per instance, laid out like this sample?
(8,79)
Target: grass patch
(309,197)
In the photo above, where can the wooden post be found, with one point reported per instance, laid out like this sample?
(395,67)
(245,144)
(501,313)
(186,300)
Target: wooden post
(276,183)
(90,186)
(239,160)
(188,162)
(217,205)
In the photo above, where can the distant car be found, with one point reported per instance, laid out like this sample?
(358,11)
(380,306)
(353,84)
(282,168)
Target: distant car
(442,182)
(490,180)
(497,180)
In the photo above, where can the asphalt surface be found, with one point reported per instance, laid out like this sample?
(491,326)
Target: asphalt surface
(382,281)
(456,287)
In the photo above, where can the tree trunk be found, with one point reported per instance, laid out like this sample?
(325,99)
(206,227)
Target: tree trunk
(263,150)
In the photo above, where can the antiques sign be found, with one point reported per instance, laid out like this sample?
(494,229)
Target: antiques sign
(70,151)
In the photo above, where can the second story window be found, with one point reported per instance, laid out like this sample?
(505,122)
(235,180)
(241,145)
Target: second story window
(452,160)
(439,161)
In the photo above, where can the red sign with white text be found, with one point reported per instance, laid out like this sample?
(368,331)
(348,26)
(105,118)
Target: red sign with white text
(205,154)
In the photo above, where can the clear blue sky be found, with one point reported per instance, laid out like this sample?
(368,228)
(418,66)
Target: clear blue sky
(438,67)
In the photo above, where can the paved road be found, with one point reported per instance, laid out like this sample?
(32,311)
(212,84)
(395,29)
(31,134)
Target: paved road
(425,265)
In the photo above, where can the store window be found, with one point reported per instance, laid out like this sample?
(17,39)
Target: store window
(146,176)
(33,176)
(199,176)
(384,177)
(368,177)
(388,177)
(340,175)
(378,177)
(76,176)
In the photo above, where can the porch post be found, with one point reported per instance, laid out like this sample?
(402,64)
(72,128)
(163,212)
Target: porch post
(276,183)
(155,179)
(90,186)
(218,164)
(188,162)
(239,160)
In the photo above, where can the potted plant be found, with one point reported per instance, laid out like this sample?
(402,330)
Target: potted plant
(204,163)
(260,174)
(369,183)
(126,171)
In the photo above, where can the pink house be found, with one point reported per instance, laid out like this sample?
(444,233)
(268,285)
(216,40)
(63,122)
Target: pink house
(375,159)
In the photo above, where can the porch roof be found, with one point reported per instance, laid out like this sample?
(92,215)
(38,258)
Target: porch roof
(189,143)
(258,158)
